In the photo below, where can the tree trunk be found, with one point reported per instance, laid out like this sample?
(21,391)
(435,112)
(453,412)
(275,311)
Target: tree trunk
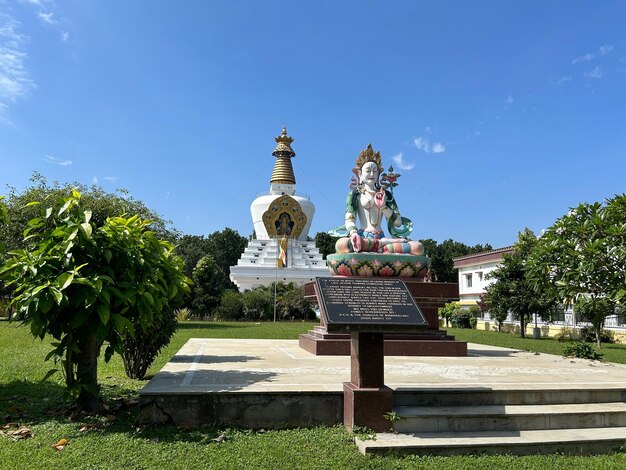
(522,324)
(68,368)
(598,330)
(87,373)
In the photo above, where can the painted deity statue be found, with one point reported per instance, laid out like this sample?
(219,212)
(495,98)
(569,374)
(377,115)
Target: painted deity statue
(363,249)
(370,200)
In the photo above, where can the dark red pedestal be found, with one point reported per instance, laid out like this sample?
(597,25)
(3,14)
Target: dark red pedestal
(429,296)
(366,398)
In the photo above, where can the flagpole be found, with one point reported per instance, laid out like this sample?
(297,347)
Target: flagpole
(276,275)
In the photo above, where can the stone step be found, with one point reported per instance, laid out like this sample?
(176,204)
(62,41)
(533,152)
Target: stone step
(562,441)
(465,396)
(509,417)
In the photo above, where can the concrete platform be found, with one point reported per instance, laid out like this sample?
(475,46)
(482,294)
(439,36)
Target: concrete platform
(276,384)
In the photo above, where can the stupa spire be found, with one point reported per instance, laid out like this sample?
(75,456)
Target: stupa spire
(283,171)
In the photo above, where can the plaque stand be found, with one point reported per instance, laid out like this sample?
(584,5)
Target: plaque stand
(366,399)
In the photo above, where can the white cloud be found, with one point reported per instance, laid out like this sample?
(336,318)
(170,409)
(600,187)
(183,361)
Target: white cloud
(438,147)
(94,180)
(111,179)
(596,72)
(423,144)
(604,50)
(563,80)
(65,35)
(401,164)
(584,58)
(15,81)
(46,17)
(57,161)
(509,100)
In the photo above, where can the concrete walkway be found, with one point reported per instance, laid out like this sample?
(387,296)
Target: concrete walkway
(256,365)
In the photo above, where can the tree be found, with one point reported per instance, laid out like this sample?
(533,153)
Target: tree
(595,311)
(325,243)
(226,247)
(497,311)
(86,283)
(191,248)
(583,256)
(447,311)
(294,306)
(441,255)
(513,291)
(208,279)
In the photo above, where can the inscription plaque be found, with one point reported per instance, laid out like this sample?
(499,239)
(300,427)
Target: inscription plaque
(368,305)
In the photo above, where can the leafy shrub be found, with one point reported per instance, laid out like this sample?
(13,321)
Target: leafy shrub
(140,350)
(588,335)
(567,334)
(208,286)
(231,306)
(464,318)
(582,351)
(258,305)
(183,314)
(294,306)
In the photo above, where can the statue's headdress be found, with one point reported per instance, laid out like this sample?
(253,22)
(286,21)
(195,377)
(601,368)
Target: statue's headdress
(368,155)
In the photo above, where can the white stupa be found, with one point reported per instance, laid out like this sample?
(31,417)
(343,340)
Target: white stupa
(281,218)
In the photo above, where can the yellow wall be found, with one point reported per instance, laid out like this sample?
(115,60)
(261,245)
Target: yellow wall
(546,330)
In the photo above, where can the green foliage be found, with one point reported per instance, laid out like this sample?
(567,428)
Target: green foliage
(231,306)
(567,334)
(226,246)
(583,256)
(258,304)
(447,311)
(595,310)
(141,348)
(191,248)
(208,282)
(294,306)
(85,283)
(513,291)
(441,254)
(464,317)
(325,243)
(581,350)
(588,335)
(183,314)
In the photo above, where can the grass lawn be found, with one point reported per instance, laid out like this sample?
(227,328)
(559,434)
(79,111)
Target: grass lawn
(117,441)
(612,352)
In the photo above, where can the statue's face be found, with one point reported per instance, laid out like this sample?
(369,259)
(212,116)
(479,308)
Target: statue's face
(369,173)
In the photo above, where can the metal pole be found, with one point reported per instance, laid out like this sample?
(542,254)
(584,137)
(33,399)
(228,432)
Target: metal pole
(276,275)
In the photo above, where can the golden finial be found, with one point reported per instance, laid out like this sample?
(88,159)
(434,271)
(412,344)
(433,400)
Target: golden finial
(368,155)
(283,171)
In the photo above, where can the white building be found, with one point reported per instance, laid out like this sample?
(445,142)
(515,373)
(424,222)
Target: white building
(473,270)
(280,218)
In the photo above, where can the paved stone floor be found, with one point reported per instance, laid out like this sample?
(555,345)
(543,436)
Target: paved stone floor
(256,365)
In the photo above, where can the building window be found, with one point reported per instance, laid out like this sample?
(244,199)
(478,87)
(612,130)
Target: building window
(480,276)
(468,280)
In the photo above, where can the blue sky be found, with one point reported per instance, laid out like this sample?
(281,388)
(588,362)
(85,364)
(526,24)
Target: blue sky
(500,115)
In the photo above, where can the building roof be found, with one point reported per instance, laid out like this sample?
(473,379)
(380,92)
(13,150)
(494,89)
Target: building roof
(482,257)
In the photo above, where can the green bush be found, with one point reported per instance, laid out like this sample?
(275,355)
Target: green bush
(567,334)
(588,335)
(294,306)
(183,314)
(231,306)
(258,305)
(464,317)
(140,350)
(582,351)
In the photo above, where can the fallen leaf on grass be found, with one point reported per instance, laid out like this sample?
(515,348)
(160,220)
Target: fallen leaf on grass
(61,444)
(21,433)
(111,418)
(88,427)
(220,438)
